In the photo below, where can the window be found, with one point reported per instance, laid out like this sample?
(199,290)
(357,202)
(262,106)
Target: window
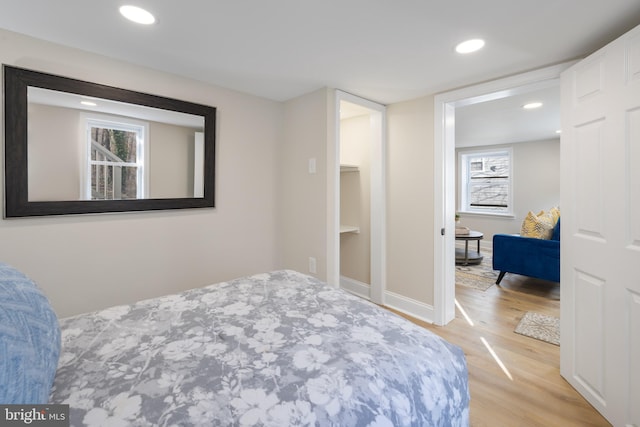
(115,160)
(485,182)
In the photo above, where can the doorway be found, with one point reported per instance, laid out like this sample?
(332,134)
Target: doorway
(445,167)
(357,247)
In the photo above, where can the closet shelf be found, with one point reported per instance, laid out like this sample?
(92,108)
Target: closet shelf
(348,168)
(349,229)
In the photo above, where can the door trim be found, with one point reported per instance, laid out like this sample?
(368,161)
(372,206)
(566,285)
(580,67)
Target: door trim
(444,171)
(378,197)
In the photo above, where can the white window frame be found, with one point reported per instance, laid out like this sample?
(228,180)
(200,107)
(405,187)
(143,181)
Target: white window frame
(141,129)
(464,186)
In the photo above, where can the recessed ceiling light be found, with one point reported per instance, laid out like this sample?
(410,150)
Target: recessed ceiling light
(137,14)
(559,131)
(532,105)
(88,103)
(470,46)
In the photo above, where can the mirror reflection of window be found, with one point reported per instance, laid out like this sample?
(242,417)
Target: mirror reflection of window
(63,164)
(116,159)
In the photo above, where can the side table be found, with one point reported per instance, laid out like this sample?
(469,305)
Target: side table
(466,256)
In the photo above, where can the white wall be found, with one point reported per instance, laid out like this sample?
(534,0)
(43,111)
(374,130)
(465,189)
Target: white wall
(306,204)
(410,199)
(303,203)
(536,187)
(171,151)
(87,262)
(55,164)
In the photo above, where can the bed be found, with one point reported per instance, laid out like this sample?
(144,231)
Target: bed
(274,349)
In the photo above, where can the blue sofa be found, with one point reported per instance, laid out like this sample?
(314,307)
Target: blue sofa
(527,256)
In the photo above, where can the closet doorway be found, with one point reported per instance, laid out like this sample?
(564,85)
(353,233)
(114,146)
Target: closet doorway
(360,196)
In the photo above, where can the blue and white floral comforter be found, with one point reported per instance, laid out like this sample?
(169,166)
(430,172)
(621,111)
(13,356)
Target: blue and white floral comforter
(276,349)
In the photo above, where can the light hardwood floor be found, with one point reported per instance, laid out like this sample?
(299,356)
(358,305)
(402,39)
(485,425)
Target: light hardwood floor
(531,391)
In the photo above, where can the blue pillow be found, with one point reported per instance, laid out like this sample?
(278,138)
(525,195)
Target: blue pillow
(556,231)
(29,340)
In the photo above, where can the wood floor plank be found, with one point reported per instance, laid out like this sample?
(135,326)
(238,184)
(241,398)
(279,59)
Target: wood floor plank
(536,394)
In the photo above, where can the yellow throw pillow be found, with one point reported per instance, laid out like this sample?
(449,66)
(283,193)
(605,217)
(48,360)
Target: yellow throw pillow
(538,226)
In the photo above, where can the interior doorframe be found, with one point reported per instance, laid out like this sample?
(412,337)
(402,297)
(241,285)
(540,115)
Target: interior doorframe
(444,167)
(378,197)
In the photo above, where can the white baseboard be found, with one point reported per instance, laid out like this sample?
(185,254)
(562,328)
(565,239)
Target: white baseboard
(355,287)
(413,308)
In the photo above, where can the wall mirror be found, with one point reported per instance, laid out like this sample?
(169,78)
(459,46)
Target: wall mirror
(74,147)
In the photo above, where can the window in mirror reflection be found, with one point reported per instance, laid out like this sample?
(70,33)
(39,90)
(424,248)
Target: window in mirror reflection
(65,163)
(116,160)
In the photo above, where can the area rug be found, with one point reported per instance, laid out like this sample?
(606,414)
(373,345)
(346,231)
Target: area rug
(540,326)
(480,276)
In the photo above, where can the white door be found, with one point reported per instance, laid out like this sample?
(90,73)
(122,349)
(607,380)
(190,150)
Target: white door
(600,225)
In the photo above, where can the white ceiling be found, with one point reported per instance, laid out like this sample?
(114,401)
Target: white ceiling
(383,50)
(504,121)
(72,101)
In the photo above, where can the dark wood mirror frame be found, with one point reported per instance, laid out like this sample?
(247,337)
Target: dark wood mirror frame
(17,204)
